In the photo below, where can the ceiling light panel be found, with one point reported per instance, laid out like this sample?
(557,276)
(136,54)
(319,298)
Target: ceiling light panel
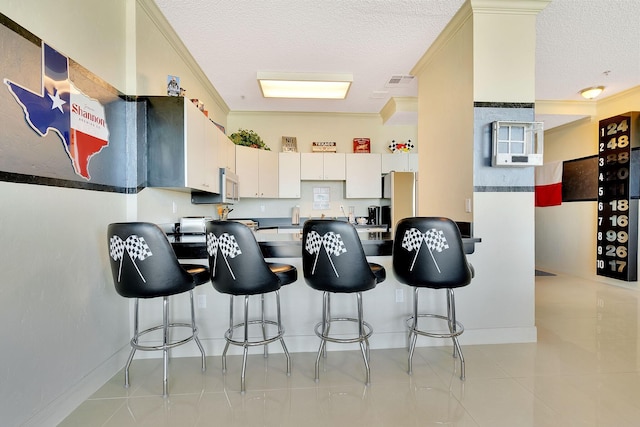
(304,85)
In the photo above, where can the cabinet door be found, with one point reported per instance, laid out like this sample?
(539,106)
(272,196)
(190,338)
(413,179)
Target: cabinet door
(268,171)
(289,175)
(231,153)
(247,169)
(363,176)
(398,162)
(194,146)
(311,166)
(334,166)
(413,162)
(211,157)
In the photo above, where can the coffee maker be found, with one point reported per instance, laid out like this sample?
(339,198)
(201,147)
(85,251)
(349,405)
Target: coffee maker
(375,216)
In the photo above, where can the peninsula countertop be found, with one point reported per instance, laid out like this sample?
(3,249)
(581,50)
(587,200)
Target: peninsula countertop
(289,245)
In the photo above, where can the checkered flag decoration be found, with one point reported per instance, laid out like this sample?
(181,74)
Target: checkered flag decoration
(136,248)
(332,243)
(228,246)
(434,239)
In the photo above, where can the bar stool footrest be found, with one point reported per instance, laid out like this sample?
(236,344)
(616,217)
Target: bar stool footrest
(458,331)
(367,327)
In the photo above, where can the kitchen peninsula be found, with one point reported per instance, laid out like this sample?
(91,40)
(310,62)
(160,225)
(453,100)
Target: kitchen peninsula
(289,245)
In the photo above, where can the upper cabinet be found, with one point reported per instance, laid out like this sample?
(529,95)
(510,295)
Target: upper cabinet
(182,146)
(226,151)
(257,171)
(400,162)
(289,175)
(363,176)
(322,167)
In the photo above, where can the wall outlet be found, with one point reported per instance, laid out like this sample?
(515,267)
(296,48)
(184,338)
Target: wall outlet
(202,301)
(174,207)
(262,208)
(399,295)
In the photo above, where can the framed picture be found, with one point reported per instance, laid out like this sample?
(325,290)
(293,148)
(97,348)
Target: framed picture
(361,145)
(289,144)
(173,86)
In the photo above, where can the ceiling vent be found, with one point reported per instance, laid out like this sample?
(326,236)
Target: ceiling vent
(400,80)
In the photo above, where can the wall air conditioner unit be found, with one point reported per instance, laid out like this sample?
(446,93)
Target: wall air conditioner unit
(517,144)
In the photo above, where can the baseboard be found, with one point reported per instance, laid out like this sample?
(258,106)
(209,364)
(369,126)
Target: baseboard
(68,401)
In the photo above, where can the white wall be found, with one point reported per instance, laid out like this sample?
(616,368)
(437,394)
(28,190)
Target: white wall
(63,323)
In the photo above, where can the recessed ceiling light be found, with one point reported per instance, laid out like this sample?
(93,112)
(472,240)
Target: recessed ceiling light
(591,92)
(304,85)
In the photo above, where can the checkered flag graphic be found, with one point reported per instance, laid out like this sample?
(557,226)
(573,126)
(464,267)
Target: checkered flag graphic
(434,240)
(333,245)
(212,250)
(228,246)
(135,246)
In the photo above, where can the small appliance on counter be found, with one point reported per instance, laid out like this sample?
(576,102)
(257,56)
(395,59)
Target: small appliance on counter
(193,224)
(374,217)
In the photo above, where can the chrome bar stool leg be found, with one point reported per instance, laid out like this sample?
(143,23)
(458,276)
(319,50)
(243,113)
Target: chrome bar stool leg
(134,340)
(281,333)
(364,345)
(165,349)
(194,329)
(226,346)
(264,326)
(245,346)
(457,350)
(413,336)
(325,331)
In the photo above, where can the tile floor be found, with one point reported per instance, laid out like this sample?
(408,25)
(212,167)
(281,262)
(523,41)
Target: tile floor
(583,371)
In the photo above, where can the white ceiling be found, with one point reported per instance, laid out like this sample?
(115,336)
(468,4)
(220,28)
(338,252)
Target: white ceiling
(580,43)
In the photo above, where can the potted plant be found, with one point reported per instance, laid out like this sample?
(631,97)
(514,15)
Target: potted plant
(248,138)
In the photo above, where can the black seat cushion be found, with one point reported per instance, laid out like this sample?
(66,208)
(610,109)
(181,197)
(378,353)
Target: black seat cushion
(378,271)
(143,263)
(236,262)
(333,259)
(200,273)
(428,252)
(286,273)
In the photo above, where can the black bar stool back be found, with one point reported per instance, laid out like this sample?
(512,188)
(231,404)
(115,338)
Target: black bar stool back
(143,266)
(239,269)
(333,261)
(428,253)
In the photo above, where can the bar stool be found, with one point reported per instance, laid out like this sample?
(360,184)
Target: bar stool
(144,266)
(333,261)
(239,269)
(428,253)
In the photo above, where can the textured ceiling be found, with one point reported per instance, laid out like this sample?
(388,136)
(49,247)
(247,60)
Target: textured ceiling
(580,43)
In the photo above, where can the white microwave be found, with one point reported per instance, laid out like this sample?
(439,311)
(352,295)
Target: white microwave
(229,186)
(229,190)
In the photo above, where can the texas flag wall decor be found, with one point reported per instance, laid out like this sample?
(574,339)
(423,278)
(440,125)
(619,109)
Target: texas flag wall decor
(548,181)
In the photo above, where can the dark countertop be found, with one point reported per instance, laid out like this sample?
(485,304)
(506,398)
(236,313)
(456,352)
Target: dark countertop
(289,245)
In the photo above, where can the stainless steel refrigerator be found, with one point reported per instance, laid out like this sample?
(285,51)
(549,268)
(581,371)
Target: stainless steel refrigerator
(398,197)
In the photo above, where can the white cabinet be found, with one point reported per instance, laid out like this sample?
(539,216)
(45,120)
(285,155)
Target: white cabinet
(289,175)
(257,171)
(226,151)
(400,162)
(182,150)
(322,167)
(363,176)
